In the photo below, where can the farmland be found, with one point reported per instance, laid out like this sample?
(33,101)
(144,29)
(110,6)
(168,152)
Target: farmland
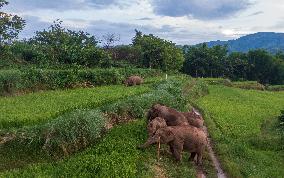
(244,127)
(115,154)
(39,107)
(242,124)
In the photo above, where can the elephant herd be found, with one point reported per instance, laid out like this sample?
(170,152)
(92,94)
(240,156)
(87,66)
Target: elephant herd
(182,131)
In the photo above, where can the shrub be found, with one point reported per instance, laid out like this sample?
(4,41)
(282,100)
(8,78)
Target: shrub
(174,93)
(12,81)
(254,85)
(275,87)
(63,135)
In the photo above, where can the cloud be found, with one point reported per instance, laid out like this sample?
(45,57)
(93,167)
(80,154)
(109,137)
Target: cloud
(199,9)
(125,30)
(256,13)
(58,5)
(145,18)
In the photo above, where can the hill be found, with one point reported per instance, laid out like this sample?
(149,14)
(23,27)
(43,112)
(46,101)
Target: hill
(270,41)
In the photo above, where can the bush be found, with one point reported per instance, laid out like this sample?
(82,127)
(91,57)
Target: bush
(34,79)
(10,81)
(175,93)
(63,135)
(254,85)
(275,87)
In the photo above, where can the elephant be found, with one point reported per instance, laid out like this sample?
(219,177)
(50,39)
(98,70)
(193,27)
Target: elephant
(155,124)
(171,116)
(194,118)
(133,80)
(179,138)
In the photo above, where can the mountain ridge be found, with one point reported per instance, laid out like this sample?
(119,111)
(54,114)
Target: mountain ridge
(270,41)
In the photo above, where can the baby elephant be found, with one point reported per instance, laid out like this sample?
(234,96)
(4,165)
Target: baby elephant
(179,138)
(133,80)
(155,124)
(194,118)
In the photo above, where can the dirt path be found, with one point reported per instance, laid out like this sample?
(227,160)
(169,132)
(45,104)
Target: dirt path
(216,162)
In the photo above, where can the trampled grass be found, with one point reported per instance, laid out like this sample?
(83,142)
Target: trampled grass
(244,128)
(39,107)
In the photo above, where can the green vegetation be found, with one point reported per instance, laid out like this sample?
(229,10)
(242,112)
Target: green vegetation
(275,88)
(19,81)
(10,25)
(114,155)
(248,85)
(39,107)
(245,130)
(256,65)
(158,53)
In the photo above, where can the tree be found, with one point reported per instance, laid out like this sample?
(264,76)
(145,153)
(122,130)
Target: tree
(10,25)
(59,45)
(110,39)
(260,66)
(158,53)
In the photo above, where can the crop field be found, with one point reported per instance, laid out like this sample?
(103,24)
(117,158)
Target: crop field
(242,123)
(113,155)
(244,127)
(39,107)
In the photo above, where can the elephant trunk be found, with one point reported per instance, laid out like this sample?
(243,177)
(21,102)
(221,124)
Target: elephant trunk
(149,142)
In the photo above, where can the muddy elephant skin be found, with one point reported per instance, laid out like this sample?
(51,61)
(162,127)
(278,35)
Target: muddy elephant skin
(155,124)
(171,116)
(194,118)
(179,138)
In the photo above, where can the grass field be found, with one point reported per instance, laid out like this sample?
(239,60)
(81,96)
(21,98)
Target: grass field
(39,107)
(244,128)
(115,155)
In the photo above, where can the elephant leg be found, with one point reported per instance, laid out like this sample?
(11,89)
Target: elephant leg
(192,156)
(177,150)
(199,158)
(171,149)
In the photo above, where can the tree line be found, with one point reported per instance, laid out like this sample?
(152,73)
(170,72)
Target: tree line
(59,47)
(257,65)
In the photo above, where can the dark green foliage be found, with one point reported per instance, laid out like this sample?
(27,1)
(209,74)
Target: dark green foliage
(60,46)
(12,81)
(158,53)
(257,65)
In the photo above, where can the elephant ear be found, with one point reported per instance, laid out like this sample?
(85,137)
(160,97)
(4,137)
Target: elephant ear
(167,135)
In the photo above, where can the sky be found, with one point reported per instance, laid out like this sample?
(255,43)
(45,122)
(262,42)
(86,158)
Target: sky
(181,21)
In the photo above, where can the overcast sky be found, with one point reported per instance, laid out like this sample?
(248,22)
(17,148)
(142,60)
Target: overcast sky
(181,21)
